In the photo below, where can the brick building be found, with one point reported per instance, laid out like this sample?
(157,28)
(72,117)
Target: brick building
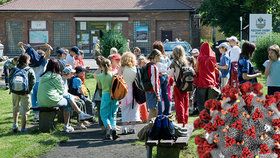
(64,23)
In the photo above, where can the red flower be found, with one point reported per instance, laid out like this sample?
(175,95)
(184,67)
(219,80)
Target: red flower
(198,140)
(276,122)
(251,132)
(257,87)
(213,104)
(234,156)
(245,87)
(218,122)
(237,125)
(204,115)
(198,123)
(277,151)
(209,127)
(277,96)
(276,137)
(230,141)
(257,115)
(233,94)
(269,100)
(246,153)
(248,99)
(264,149)
(234,110)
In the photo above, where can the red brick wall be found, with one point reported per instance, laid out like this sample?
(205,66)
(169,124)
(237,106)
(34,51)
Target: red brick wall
(178,22)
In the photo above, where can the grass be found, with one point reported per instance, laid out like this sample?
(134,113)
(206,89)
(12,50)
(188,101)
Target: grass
(33,143)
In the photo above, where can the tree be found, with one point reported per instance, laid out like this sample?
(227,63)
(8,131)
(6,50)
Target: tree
(113,39)
(226,13)
(3,1)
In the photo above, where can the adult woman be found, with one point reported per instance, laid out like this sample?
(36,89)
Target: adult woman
(245,68)
(51,93)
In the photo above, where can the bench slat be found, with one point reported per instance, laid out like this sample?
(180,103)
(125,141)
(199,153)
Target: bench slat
(166,142)
(152,142)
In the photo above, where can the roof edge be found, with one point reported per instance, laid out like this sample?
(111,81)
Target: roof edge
(127,10)
(188,5)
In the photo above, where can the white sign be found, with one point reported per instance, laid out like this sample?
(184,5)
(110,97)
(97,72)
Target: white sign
(38,25)
(260,24)
(83,26)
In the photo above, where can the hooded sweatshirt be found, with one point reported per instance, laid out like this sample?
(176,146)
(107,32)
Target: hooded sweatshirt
(50,90)
(206,67)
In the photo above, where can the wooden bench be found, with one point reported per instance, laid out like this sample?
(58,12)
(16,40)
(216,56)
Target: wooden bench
(168,148)
(46,118)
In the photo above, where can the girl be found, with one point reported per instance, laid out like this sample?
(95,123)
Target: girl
(163,65)
(153,95)
(181,98)
(245,67)
(272,69)
(234,54)
(51,92)
(108,108)
(130,109)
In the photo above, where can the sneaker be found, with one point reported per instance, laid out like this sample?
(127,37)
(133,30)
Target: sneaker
(86,123)
(68,129)
(81,126)
(124,131)
(114,135)
(15,128)
(83,116)
(131,131)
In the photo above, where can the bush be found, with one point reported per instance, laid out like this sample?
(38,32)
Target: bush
(113,39)
(262,44)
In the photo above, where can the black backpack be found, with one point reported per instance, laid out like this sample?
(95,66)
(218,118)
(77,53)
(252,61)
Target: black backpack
(146,80)
(184,81)
(138,88)
(163,128)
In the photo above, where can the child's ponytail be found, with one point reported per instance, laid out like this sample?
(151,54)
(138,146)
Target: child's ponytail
(106,64)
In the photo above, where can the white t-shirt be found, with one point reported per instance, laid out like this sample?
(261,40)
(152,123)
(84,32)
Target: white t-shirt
(70,60)
(234,53)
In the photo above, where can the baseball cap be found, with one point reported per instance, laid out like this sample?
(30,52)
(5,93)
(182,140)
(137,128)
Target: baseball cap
(115,56)
(194,51)
(79,69)
(76,50)
(224,44)
(60,51)
(232,38)
(68,69)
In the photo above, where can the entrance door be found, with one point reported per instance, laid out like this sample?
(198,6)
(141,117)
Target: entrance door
(166,35)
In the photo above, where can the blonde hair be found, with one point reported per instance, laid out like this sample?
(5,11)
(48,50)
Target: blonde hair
(275,48)
(113,50)
(179,54)
(128,59)
(106,64)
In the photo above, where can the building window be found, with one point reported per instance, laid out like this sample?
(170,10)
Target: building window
(14,35)
(62,33)
(141,36)
(38,32)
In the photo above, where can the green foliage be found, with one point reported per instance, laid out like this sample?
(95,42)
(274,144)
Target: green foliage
(260,55)
(3,1)
(226,13)
(113,39)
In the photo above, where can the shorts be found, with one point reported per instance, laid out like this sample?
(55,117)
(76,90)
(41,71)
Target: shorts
(21,103)
(65,104)
(151,100)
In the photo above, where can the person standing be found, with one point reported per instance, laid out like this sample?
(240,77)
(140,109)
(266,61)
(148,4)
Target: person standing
(224,65)
(272,69)
(245,67)
(234,54)
(21,98)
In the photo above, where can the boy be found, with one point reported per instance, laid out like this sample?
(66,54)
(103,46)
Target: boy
(70,58)
(225,64)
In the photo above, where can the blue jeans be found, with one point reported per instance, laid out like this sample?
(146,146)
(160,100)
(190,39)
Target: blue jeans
(34,95)
(108,110)
(164,96)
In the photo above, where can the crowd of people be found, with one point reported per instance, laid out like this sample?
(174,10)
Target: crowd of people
(61,81)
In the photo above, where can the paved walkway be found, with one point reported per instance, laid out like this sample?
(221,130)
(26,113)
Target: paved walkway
(90,144)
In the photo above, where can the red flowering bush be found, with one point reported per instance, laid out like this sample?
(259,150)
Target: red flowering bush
(247,126)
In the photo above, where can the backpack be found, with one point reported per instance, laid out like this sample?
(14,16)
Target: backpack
(119,88)
(184,81)
(71,90)
(146,80)
(138,88)
(18,81)
(163,128)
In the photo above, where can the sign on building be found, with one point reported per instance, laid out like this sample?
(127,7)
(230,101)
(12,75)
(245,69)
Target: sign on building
(260,24)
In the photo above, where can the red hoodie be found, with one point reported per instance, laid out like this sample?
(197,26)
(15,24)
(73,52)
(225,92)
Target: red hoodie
(206,67)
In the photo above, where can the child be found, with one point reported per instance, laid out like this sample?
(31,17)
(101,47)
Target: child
(22,98)
(137,52)
(225,64)
(153,94)
(108,108)
(181,98)
(234,54)
(8,66)
(272,69)
(75,88)
(130,109)
(70,58)
(61,56)
(116,62)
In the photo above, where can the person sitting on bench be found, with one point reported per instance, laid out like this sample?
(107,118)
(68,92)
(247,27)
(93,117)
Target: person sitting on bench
(51,93)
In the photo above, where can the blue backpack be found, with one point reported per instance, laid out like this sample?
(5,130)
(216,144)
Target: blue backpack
(18,81)
(163,128)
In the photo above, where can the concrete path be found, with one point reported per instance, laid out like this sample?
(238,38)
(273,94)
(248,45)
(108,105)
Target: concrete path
(90,144)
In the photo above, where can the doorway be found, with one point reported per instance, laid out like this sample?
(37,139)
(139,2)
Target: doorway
(166,35)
